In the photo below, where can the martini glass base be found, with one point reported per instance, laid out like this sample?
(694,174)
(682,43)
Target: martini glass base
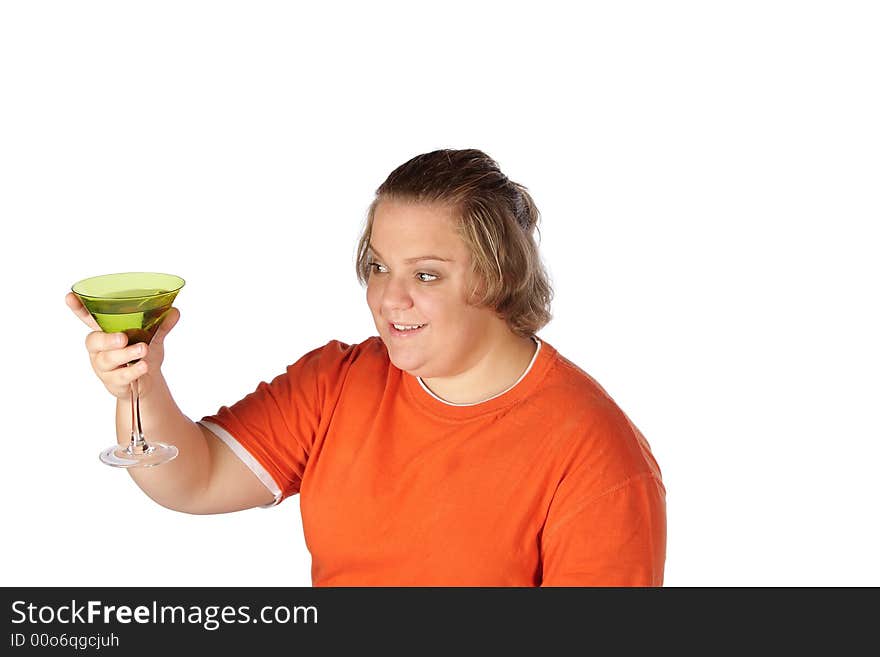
(121,457)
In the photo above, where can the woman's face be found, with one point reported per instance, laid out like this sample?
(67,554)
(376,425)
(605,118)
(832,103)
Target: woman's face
(419,276)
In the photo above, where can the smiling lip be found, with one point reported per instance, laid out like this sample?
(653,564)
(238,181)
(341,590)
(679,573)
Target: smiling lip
(404,334)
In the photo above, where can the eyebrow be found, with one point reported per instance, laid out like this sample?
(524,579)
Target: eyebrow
(411,260)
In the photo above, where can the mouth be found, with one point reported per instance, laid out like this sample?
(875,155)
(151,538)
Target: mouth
(406,332)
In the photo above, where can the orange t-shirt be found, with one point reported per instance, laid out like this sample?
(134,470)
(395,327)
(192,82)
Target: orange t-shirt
(548,483)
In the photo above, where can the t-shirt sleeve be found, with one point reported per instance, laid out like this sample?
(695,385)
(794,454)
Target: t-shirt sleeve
(606,525)
(274,428)
(616,539)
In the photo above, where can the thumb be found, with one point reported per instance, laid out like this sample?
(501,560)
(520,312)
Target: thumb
(80,311)
(165,327)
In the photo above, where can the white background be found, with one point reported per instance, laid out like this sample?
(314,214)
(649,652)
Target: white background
(708,178)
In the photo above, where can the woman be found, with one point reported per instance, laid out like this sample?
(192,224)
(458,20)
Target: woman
(454,448)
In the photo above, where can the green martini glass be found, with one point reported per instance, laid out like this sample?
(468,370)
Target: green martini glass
(134,303)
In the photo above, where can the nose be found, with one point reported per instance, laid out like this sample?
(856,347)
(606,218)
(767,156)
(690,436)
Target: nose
(395,296)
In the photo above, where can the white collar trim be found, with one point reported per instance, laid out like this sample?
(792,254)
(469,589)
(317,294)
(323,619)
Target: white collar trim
(522,376)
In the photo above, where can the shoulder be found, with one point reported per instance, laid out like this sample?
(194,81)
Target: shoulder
(597,433)
(337,354)
(567,379)
(568,390)
(322,373)
(332,365)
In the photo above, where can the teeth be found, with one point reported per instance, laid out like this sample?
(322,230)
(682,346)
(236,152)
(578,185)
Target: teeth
(407,327)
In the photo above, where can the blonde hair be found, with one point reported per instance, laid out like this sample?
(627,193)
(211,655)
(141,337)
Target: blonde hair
(495,218)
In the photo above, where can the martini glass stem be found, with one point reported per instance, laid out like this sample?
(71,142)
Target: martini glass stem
(138,444)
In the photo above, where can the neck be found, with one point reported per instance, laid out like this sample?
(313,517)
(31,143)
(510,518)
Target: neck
(496,370)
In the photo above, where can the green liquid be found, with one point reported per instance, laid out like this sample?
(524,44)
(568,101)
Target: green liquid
(137,313)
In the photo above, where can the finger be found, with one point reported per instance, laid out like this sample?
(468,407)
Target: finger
(80,311)
(106,361)
(123,376)
(98,341)
(168,323)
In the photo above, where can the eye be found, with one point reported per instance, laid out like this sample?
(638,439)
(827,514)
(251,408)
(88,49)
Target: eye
(423,276)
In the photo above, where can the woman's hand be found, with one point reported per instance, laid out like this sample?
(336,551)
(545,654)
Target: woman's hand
(109,353)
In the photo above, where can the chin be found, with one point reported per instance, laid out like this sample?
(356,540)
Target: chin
(409,365)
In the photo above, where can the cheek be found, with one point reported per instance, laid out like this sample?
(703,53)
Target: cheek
(448,310)
(441,306)
(372,297)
